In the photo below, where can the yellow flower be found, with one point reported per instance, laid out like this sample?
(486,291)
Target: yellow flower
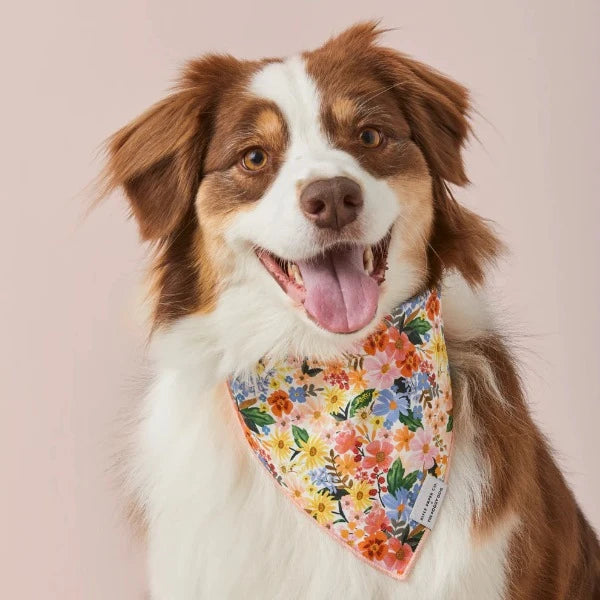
(313,452)
(280,443)
(334,399)
(321,507)
(439,348)
(309,487)
(275,383)
(377,421)
(360,495)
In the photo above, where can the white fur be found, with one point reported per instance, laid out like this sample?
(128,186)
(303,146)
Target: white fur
(218,525)
(220,528)
(277,223)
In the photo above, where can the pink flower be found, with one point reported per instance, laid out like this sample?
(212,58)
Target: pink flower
(398,555)
(399,345)
(376,521)
(378,455)
(381,370)
(424,451)
(345,441)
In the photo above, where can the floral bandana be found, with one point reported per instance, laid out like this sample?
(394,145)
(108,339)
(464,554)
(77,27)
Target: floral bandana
(352,441)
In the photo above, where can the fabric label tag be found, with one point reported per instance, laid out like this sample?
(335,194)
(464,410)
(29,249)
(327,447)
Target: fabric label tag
(428,501)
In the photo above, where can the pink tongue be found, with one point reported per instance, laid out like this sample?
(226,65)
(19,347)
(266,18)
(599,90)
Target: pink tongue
(340,296)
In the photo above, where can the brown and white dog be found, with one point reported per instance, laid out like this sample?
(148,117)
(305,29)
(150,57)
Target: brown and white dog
(246,171)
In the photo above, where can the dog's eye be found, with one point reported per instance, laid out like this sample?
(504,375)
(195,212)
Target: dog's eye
(254,159)
(370,138)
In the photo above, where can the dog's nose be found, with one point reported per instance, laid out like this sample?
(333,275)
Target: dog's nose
(331,203)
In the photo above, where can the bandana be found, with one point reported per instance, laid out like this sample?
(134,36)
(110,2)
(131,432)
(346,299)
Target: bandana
(361,444)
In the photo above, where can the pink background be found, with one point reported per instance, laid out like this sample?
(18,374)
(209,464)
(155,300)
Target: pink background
(73,72)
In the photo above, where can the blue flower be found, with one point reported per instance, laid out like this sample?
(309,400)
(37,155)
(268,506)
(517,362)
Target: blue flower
(397,505)
(390,404)
(417,412)
(419,382)
(297,394)
(322,478)
(240,389)
(412,496)
(289,379)
(265,429)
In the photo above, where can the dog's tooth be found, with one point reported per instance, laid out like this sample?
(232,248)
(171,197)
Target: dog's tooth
(295,274)
(368,260)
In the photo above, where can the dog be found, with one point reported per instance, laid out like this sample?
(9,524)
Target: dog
(239,179)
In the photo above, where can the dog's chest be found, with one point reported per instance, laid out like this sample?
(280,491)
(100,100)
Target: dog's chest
(222,528)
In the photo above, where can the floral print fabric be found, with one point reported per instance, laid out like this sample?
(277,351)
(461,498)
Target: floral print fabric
(350,441)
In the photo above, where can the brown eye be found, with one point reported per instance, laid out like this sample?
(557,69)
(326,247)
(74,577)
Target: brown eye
(254,159)
(370,138)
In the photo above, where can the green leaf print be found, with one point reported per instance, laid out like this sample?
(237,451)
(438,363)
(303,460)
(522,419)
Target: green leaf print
(361,401)
(257,417)
(395,476)
(410,421)
(416,328)
(300,435)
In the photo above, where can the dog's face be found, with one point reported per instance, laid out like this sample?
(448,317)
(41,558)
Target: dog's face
(315,184)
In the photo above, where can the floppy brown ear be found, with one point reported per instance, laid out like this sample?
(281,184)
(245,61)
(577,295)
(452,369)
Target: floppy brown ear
(157,158)
(437,110)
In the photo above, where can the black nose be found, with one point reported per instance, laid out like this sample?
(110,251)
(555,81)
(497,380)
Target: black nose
(331,203)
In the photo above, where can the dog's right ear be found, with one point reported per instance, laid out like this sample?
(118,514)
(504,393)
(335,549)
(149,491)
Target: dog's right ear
(157,158)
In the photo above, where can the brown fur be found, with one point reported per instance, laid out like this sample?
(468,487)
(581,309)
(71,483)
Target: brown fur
(427,116)
(554,553)
(196,136)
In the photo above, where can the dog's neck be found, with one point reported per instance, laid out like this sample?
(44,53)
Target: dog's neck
(362,441)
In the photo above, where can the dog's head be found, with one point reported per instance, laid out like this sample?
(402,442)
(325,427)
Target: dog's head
(314,187)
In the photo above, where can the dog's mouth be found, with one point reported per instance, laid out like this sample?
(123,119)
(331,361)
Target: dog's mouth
(338,288)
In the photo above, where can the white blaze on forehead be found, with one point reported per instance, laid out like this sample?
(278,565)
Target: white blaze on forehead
(276,222)
(291,88)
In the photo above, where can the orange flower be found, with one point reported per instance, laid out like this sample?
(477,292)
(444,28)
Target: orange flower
(357,378)
(402,438)
(346,464)
(433,306)
(299,377)
(374,547)
(280,403)
(410,364)
(377,341)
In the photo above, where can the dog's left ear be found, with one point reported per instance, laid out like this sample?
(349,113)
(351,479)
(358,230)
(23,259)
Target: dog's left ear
(437,110)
